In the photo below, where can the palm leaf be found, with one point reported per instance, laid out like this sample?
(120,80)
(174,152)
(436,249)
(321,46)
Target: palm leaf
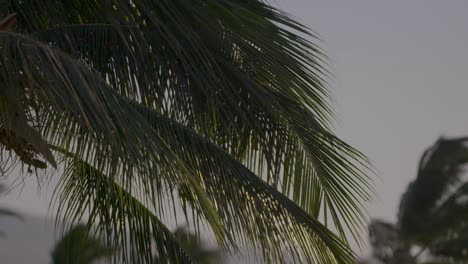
(116,215)
(221,174)
(257,204)
(142,84)
(78,114)
(258,94)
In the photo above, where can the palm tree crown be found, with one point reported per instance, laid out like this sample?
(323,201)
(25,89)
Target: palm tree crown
(6,212)
(215,106)
(78,247)
(433,211)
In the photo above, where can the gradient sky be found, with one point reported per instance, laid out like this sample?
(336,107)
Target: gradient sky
(401,76)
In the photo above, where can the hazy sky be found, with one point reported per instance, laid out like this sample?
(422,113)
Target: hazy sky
(401,79)
(401,76)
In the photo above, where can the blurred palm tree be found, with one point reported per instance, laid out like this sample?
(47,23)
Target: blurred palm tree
(433,213)
(7,212)
(78,247)
(195,248)
(193,245)
(218,107)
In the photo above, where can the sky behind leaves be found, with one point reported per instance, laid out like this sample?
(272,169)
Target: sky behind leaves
(401,81)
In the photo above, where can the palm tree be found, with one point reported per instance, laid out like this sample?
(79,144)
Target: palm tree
(7,212)
(433,213)
(216,107)
(78,247)
(194,247)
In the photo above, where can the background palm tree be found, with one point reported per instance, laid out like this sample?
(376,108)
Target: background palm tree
(193,245)
(78,247)
(433,213)
(7,212)
(195,248)
(216,107)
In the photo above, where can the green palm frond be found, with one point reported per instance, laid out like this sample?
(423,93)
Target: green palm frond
(116,215)
(245,201)
(78,113)
(261,95)
(218,106)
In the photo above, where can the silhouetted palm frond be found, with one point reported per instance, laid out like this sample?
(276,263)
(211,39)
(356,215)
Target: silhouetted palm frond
(215,106)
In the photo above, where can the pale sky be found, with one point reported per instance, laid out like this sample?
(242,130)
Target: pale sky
(401,77)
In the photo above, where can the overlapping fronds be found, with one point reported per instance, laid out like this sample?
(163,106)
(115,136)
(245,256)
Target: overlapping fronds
(248,205)
(226,69)
(199,98)
(249,209)
(76,111)
(116,215)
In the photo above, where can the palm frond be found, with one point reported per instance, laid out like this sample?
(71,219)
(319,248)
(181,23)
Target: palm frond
(196,98)
(248,84)
(116,215)
(74,110)
(249,207)
(242,200)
